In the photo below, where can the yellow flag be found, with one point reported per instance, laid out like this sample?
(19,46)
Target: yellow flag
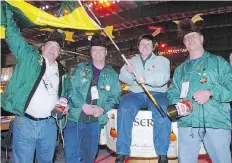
(2,32)
(69,36)
(78,19)
(109,30)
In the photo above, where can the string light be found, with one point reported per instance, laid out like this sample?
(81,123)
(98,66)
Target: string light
(44,7)
(171,50)
(163,45)
(101,5)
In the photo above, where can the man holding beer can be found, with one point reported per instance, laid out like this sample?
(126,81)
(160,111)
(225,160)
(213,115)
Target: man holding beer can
(204,80)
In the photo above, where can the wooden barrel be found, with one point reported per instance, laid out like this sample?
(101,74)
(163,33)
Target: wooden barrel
(149,160)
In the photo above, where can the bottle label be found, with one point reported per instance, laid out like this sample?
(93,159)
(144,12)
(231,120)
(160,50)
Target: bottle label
(62,104)
(183,109)
(60,107)
(172,150)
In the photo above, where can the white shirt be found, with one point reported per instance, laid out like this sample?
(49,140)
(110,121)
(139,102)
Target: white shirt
(46,94)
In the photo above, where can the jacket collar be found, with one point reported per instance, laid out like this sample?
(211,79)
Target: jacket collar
(90,66)
(152,55)
(206,54)
(61,68)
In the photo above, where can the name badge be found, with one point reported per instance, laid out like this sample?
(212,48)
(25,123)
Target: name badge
(50,87)
(184,90)
(94,93)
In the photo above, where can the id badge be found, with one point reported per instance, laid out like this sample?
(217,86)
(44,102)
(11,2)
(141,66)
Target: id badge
(94,93)
(184,90)
(49,87)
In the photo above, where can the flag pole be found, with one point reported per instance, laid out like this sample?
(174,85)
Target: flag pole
(163,114)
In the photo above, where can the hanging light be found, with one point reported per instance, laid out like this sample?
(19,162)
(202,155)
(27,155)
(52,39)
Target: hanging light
(163,45)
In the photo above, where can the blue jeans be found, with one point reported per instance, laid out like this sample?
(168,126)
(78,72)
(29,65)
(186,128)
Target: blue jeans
(29,135)
(81,142)
(216,142)
(129,106)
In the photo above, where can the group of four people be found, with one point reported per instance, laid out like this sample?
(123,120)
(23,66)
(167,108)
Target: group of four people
(39,81)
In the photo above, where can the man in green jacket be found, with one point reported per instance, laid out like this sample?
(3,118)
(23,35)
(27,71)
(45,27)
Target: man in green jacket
(31,94)
(205,80)
(93,90)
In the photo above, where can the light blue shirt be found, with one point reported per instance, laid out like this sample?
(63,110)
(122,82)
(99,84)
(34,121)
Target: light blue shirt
(156,73)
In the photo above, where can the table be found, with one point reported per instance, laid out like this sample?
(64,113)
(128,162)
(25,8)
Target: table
(5,122)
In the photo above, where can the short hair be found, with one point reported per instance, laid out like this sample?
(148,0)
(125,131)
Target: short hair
(98,40)
(146,37)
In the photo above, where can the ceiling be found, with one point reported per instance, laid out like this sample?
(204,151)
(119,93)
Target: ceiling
(131,19)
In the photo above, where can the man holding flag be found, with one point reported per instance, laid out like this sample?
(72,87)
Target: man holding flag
(154,72)
(32,93)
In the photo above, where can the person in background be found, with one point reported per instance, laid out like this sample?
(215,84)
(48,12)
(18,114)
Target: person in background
(205,80)
(154,72)
(94,89)
(31,94)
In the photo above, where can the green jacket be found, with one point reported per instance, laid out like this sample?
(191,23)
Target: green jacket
(215,113)
(28,71)
(79,84)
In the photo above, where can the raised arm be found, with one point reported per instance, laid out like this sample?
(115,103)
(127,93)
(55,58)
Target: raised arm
(17,44)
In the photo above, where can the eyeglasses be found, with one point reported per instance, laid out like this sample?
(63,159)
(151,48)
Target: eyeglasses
(190,37)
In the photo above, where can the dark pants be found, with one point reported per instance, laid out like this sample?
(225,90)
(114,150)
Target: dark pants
(127,111)
(81,142)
